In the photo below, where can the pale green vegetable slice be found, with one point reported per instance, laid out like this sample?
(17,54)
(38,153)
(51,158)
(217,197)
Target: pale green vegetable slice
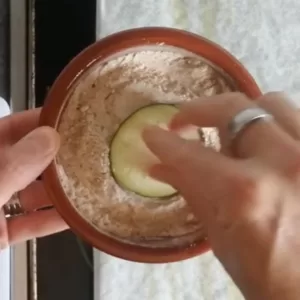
(129,156)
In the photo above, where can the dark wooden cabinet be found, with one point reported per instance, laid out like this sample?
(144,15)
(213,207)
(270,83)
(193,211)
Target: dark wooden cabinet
(62,29)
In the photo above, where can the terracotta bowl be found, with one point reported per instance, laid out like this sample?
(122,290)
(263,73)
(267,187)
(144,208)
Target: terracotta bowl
(55,103)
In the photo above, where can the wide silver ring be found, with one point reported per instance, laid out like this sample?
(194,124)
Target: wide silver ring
(245,118)
(13,207)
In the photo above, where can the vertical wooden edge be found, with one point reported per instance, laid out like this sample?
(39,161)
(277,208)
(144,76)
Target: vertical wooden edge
(18,95)
(31,103)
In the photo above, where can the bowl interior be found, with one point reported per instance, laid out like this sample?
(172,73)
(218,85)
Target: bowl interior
(107,49)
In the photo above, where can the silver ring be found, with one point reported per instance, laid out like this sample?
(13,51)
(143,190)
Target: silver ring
(13,207)
(245,118)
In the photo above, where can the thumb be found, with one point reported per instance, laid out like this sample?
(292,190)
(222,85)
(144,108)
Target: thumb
(23,162)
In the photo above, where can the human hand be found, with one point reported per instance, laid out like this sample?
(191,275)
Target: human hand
(248,196)
(25,151)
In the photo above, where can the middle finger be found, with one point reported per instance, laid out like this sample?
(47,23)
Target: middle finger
(284,111)
(34,197)
(265,140)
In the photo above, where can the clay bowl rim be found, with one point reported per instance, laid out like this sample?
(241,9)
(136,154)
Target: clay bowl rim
(55,103)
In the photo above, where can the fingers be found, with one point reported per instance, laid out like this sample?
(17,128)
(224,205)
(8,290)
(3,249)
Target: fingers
(279,105)
(34,225)
(255,141)
(211,111)
(23,162)
(216,111)
(165,174)
(34,197)
(222,192)
(174,151)
(14,127)
(278,148)
(197,172)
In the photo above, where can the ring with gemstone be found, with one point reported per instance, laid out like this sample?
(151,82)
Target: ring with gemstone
(13,207)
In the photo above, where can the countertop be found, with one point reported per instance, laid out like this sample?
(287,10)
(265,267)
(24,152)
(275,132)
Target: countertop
(264,35)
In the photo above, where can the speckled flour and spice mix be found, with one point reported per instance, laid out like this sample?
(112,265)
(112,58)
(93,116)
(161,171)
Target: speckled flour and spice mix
(98,103)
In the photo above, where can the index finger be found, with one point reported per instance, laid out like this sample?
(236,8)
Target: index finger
(209,181)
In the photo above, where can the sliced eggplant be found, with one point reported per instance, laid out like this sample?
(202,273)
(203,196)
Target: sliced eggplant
(130,158)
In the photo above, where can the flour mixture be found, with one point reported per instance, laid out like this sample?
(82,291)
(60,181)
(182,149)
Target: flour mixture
(99,102)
